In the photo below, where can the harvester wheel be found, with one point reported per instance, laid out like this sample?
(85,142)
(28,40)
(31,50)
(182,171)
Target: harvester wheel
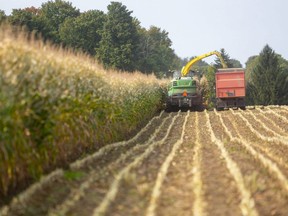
(168,107)
(219,108)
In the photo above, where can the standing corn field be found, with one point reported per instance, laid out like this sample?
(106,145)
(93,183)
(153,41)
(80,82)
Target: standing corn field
(55,105)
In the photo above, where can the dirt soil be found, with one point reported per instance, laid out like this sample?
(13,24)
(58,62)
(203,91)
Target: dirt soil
(231,162)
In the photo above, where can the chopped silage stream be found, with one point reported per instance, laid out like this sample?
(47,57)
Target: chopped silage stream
(184,163)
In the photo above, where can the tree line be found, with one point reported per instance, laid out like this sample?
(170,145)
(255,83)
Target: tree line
(118,41)
(115,38)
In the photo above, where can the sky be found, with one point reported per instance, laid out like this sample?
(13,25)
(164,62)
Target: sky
(241,27)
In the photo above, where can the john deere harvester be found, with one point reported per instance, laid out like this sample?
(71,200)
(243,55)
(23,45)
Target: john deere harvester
(183,90)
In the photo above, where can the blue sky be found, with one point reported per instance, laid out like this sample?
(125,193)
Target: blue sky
(242,27)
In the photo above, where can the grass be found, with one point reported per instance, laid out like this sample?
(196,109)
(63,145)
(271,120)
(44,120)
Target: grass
(55,105)
(73,175)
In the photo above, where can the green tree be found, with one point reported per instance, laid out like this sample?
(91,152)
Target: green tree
(268,82)
(283,62)
(231,63)
(155,52)
(282,87)
(53,14)
(236,63)
(282,82)
(2,16)
(177,62)
(119,39)
(83,32)
(225,57)
(28,17)
(250,65)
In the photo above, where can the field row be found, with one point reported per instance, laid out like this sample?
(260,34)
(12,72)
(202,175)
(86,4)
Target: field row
(186,163)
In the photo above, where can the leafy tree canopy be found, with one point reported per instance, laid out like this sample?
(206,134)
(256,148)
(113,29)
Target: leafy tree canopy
(27,17)
(119,39)
(2,16)
(155,52)
(250,65)
(53,14)
(236,63)
(84,31)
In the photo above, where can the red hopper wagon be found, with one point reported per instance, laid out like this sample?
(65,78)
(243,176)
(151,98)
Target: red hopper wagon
(230,88)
